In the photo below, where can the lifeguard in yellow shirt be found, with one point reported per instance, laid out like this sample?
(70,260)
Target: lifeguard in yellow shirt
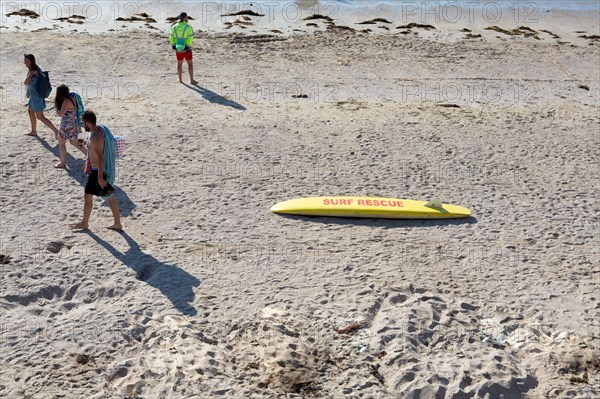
(182,37)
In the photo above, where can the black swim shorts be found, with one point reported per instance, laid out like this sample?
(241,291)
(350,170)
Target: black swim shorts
(93,188)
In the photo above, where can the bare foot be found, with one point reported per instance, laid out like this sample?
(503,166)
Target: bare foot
(32,134)
(115,227)
(78,226)
(60,166)
(180,81)
(193,82)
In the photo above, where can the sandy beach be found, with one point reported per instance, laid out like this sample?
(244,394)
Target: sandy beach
(207,294)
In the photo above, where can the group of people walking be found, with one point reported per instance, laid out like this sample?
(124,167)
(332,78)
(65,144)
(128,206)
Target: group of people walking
(99,149)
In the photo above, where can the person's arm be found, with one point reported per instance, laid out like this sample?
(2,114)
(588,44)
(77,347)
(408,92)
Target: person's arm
(172,38)
(65,107)
(29,77)
(190,37)
(96,156)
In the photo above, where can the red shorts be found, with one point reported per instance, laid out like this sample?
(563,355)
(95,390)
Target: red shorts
(186,55)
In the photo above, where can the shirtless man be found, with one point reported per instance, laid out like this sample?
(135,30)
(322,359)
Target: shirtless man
(97,184)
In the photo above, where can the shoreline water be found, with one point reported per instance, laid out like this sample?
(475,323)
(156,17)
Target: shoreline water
(294,18)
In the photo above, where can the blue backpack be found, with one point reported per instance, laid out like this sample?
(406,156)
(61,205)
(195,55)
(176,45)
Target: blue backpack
(43,88)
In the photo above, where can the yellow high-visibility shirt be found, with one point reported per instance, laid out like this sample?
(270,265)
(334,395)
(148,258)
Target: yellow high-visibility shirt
(184,31)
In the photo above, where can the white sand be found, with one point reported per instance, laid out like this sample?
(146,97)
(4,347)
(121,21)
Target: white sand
(209,295)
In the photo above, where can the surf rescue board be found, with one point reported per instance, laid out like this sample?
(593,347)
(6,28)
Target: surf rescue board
(369,207)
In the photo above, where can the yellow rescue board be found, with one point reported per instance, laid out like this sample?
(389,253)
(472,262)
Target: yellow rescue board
(368,207)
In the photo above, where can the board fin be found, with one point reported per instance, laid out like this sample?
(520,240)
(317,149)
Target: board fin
(434,204)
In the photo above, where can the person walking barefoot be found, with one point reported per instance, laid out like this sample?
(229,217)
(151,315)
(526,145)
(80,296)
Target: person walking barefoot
(182,38)
(101,169)
(66,106)
(36,104)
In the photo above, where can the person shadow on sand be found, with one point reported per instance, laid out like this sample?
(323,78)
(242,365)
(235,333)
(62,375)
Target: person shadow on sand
(214,98)
(174,283)
(76,172)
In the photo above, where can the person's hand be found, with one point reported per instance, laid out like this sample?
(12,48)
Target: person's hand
(101,182)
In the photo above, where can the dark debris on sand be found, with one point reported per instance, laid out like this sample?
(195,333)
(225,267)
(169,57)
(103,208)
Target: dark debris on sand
(23,12)
(5,259)
(521,30)
(416,25)
(73,19)
(374,21)
(591,37)
(340,28)
(472,36)
(352,327)
(318,16)
(554,35)
(138,18)
(244,12)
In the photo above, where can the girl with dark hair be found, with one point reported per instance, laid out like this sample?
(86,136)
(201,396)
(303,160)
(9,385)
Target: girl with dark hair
(36,103)
(66,106)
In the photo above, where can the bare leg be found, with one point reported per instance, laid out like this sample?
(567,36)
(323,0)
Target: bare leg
(75,144)
(191,71)
(180,70)
(87,211)
(114,207)
(33,121)
(47,122)
(62,148)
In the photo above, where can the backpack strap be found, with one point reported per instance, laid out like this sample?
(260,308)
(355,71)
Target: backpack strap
(185,29)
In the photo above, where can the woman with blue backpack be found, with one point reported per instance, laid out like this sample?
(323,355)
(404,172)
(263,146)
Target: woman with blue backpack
(70,108)
(37,103)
